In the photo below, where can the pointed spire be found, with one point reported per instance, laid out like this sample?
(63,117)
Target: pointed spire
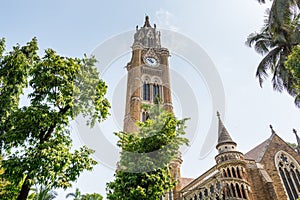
(298,140)
(147,23)
(223,135)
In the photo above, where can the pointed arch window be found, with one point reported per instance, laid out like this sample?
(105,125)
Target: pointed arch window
(233,172)
(228,172)
(195,197)
(288,169)
(145,116)
(146,92)
(200,196)
(244,192)
(233,190)
(156,92)
(206,193)
(238,172)
(239,194)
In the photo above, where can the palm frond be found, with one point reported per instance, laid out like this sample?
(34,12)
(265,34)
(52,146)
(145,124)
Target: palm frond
(280,13)
(261,1)
(267,62)
(297,101)
(277,83)
(261,42)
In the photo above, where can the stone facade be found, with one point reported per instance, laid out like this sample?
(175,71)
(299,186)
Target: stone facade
(270,171)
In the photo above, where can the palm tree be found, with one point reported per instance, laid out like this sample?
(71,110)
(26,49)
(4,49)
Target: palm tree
(77,195)
(44,193)
(276,40)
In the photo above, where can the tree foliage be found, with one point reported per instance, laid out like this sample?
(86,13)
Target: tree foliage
(275,41)
(93,196)
(78,196)
(35,138)
(43,193)
(144,167)
(7,189)
(293,65)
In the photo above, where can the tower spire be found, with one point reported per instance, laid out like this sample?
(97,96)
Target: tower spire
(223,135)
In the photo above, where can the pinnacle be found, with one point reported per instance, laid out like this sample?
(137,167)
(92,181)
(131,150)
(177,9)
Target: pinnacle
(223,135)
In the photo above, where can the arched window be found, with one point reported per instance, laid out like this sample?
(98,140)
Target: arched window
(228,172)
(195,197)
(238,172)
(233,172)
(146,92)
(286,185)
(244,192)
(212,189)
(233,190)
(291,183)
(227,191)
(200,196)
(206,193)
(145,116)
(295,178)
(156,93)
(288,169)
(239,194)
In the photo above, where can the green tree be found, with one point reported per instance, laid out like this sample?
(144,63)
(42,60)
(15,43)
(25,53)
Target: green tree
(293,65)
(36,138)
(43,193)
(275,41)
(280,13)
(276,46)
(144,171)
(76,195)
(7,190)
(93,196)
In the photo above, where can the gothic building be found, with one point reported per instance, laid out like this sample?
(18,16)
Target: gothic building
(270,171)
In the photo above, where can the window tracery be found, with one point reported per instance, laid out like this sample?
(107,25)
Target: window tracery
(288,169)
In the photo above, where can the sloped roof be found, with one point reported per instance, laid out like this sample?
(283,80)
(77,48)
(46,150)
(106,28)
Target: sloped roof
(185,181)
(259,151)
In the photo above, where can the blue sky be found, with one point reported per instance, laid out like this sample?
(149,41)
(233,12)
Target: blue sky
(75,27)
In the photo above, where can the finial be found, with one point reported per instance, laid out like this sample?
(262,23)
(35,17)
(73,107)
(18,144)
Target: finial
(137,27)
(147,23)
(271,127)
(295,131)
(219,117)
(298,141)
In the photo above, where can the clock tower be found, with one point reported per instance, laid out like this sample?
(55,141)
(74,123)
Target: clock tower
(148,75)
(148,80)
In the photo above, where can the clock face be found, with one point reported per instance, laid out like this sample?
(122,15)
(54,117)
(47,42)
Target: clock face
(151,61)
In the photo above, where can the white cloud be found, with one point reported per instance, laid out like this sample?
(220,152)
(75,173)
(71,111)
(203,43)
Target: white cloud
(165,19)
